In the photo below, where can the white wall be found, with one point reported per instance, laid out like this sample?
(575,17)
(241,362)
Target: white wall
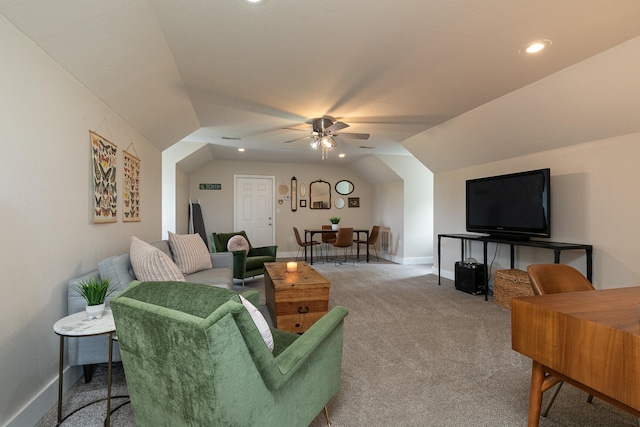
(175,194)
(45,196)
(388,211)
(217,205)
(182,202)
(594,200)
(417,208)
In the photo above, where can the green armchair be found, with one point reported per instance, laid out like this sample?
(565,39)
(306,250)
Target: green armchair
(192,356)
(245,264)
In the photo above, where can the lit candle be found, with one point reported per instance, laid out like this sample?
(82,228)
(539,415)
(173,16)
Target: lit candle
(292,266)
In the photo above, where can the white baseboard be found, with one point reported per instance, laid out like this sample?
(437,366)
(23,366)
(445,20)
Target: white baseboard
(417,260)
(445,273)
(46,399)
(388,257)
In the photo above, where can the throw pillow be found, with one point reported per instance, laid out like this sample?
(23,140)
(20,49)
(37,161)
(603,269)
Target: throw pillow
(260,322)
(238,243)
(150,264)
(189,252)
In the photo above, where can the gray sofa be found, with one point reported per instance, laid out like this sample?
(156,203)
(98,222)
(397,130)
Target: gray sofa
(88,351)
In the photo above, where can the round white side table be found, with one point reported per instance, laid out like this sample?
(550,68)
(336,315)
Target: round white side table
(78,325)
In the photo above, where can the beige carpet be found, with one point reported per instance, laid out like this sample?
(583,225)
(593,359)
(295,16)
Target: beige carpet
(415,354)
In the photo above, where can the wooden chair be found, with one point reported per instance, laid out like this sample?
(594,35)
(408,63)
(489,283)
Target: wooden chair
(302,244)
(328,239)
(554,279)
(344,240)
(373,239)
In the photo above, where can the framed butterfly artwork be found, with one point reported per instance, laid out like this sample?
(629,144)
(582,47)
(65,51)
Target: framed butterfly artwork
(105,194)
(131,187)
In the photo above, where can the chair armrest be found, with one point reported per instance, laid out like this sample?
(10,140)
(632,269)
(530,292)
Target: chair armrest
(321,343)
(264,251)
(239,264)
(291,358)
(222,260)
(276,371)
(252,296)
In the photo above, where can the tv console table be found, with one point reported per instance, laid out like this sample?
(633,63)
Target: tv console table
(557,247)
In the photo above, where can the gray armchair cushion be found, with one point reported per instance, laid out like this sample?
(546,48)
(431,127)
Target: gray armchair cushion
(218,277)
(118,269)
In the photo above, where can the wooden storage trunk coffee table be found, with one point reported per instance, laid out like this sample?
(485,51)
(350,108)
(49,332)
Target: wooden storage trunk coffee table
(295,300)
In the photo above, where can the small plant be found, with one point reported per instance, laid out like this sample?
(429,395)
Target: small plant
(334,220)
(94,290)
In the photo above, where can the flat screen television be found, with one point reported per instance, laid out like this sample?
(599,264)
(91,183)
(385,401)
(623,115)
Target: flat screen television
(516,205)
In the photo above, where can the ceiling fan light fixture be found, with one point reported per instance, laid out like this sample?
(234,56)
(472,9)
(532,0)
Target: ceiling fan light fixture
(315,143)
(327,142)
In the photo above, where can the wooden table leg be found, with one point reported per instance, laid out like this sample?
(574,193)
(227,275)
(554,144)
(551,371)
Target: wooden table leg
(535,394)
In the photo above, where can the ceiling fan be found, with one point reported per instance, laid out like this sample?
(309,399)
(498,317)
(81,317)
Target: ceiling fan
(323,134)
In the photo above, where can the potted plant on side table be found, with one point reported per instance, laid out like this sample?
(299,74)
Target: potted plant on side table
(334,220)
(94,291)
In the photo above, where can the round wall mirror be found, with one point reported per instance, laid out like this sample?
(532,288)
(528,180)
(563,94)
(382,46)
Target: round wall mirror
(339,203)
(344,187)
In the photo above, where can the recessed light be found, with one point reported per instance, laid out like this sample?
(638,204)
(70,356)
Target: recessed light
(255,2)
(241,150)
(535,46)
(341,155)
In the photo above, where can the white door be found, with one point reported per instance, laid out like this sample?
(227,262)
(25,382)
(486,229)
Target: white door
(254,197)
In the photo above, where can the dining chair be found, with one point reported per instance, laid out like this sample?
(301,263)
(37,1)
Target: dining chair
(344,240)
(328,239)
(554,279)
(373,239)
(302,244)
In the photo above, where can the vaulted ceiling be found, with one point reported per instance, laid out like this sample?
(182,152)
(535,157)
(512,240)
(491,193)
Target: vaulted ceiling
(231,74)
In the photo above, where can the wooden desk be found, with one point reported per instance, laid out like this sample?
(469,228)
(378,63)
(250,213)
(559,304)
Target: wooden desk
(308,237)
(295,300)
(589,339)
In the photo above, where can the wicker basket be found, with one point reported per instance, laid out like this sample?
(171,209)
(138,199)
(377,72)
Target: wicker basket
(508,284)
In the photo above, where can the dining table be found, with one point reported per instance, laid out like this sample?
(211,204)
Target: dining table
(310,232)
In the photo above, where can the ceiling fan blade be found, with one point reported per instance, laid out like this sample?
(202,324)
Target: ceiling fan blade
(336,127)
(353,135)
(303,130)
(298,139)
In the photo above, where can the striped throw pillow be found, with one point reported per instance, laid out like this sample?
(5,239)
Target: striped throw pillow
(150,264)
(189,252)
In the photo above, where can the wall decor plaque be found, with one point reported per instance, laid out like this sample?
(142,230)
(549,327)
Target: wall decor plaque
(131,187)
(105,194)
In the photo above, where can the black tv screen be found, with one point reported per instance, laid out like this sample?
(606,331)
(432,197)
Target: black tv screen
(513,205)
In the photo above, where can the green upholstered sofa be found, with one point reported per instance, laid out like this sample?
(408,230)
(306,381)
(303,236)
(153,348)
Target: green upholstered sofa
(245,264)
(193,356)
